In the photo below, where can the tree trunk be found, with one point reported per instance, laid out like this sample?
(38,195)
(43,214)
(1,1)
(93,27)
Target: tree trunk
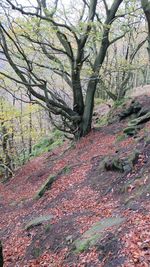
(88,109)
(146,9)
(78,104)
(1,255)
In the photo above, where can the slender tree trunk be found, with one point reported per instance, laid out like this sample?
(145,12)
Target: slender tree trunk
(89,105)
(30,131)
(1,255)
(146,9)
(21,133)
(7,159)
(78,105)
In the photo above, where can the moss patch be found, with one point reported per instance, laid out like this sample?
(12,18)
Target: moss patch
(45,186)
(37,221)
(50,180)
(90,237)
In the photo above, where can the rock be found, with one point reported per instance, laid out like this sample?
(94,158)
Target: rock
(114,163)
(134,108)
(38,221)
(50,180)
(143,111)
(140,120)
(1,255)
(134,206)
(45,186)
(147,141)
(131,130)
(109,248)
(69,239)
(95,233)
(134,157)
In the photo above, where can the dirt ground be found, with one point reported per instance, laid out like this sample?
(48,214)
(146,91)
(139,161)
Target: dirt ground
(84,194)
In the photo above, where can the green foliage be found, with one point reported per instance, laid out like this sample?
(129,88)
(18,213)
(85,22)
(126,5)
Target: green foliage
(44,145)
(102,121)
(23,158)
(48,143)
(119,103)
(98,101)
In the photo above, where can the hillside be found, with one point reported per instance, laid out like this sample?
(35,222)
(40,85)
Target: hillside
(95,209)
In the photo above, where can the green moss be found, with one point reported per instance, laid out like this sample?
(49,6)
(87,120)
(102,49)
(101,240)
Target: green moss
(102,121)
(90,237)
(55,144)
(66,169)
(121,137)
(46,144)
(36,252)
(119,103)
(130,130)
(98,101)
(49,181)
(47,228)
(140,120)
(57,134)
(82,246)
(45,186)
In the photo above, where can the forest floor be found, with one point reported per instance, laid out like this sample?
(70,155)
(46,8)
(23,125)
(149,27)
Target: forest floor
(84,195)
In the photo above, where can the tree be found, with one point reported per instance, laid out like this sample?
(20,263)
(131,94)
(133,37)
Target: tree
(1,255)
(146,8)
(5,159)
(67,41)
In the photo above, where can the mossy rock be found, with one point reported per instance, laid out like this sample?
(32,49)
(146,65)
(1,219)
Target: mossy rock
(95,233)
(135,124)
(143,112)
(38,221)
(131,130)
(45,186)
(121,137)
(134,108)
(114,163)
(140,120)
(140,190)
(50,180)
(147,140)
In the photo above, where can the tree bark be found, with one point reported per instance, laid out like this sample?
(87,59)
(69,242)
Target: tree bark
(88,109)
(89,100)
(1,255)
(146,8)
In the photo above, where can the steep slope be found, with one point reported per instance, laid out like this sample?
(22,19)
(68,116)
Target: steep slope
(92,214)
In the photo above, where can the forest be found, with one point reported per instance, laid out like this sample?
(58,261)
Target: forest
(74,133)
